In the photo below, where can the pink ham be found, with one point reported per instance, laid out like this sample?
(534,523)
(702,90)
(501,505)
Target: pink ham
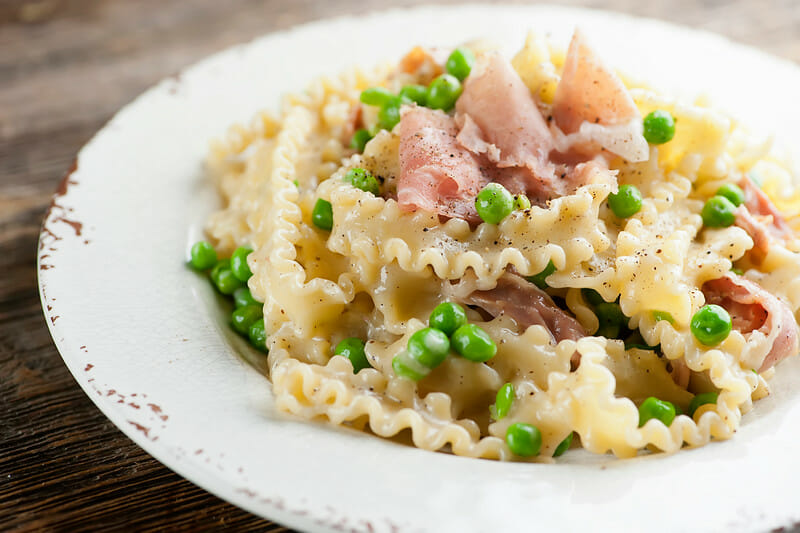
(499,134)
(756,227)
(754,309)
(527,305)
(758,203)
(593,105)
(437,174)
(759,217)
(499,118)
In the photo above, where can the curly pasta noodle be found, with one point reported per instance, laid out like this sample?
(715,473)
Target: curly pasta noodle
(382,268)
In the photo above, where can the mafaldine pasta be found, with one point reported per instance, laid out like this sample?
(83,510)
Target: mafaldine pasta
(509,258)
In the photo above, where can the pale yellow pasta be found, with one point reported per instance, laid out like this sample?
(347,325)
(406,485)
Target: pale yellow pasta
(380,271)
(375,230)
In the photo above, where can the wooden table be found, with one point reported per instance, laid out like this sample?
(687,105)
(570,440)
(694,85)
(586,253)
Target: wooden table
(65,67)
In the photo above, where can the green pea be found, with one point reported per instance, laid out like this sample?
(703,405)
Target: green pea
(658,409)
(718,212)
(626,202)
(503,401)
(592,297)
(408,368)
(732,192)
(203,256)
(662,315)
(242,296)
(225,281)
(659,127)
(447,317)
(362,179)
(471,342)
(239,265)
(221,265)
(611,320)
(563,446)
(322,214)
(258,335)
(415,93)
(521,202)
(711,325)
(494,203)
(523,439)
(244,317)
(377,96)
(702,399)
(737,271)
(540,279)
(360,139)
(389,115)
(429,347)
(460,62)
(443,92)
(353,349)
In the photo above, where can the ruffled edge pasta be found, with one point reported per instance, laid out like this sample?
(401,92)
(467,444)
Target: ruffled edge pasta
(376,230)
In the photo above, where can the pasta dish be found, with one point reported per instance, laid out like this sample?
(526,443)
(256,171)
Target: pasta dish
(508,258)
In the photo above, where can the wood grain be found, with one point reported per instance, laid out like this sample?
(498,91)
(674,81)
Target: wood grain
(65,67)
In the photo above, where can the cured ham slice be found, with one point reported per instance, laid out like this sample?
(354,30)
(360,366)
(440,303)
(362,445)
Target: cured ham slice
(501,123)
(499,118)
(754,309)
(759,204)
(757,229)
(499,134)
(759,217)
(593,107)
(436,173)
(528,305)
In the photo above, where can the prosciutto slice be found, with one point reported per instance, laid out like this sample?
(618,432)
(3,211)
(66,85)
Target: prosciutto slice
(758,230)
(502,124)
(759,217)
(436,173)
(499,134)
(754,309)
(759,204)
(593,107)
(527,305)
(499,117)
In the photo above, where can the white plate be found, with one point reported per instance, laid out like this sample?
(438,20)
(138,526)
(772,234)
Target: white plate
(146,340)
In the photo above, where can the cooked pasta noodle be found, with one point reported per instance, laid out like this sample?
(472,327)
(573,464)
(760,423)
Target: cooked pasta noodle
(386,264)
